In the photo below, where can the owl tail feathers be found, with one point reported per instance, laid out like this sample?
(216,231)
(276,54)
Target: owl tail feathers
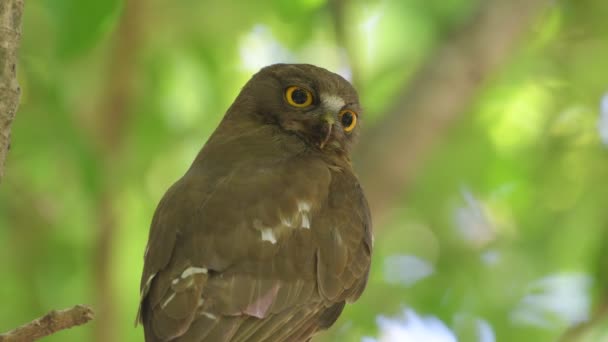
(138,317)
(330,315)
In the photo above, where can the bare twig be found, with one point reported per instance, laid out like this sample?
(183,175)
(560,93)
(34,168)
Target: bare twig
(395,149)
(11,12)
(48,324)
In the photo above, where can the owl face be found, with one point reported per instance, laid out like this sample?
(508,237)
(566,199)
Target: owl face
(316,105)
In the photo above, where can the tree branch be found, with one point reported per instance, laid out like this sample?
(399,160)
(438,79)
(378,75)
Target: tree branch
(10,34)
(397,147)
(337,9)
(113,116)
(48,324)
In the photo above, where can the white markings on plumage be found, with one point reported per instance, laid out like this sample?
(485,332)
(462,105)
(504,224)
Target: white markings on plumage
(164,304)
(304,210)
(286,222)
(150,280)
(338,238)
(268,235)
(193,270)
(305,221)
(297,219)
(332,103)
(303,206)
(209,315)
(147,286)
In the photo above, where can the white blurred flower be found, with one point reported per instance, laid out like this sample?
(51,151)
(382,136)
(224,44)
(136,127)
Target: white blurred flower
(490,257)
(411,327)
(472,220)
(485,331)
(259,48)
(603,121)
(474,328)
(554,300)
(406,269)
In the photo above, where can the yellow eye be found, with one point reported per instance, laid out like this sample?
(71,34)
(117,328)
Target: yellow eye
(298,96)
(348,119)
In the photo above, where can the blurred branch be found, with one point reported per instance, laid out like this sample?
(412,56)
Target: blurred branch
(11,12)
(439,94)
(113,117)
(49,324)
(337,9)
(577,332)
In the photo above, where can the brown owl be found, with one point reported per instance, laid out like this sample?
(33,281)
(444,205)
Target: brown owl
(268,234)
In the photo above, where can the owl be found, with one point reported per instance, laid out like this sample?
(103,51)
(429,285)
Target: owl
(268,234)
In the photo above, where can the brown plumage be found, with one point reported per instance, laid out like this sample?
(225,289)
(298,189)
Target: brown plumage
(268,234)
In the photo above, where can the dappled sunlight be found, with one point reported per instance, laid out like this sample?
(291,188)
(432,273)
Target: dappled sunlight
(516,119)
(555,300)
(406,269)
(185,91)
(388,31)
(576,125)
(411,327)
(259,48)
(473,222)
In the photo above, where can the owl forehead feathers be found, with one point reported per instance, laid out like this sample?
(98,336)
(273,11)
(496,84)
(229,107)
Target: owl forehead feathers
(332,89)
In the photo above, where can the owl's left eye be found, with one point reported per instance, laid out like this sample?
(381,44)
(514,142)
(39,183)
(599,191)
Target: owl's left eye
(348,119)
(298,97)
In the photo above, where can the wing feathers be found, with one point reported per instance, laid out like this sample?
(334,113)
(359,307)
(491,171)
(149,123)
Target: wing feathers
(255,290)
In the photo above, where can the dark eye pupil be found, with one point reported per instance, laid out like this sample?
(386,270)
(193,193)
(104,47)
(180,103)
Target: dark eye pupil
(299,96)
(347,119)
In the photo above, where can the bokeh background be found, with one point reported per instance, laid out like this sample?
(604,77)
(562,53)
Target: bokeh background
(484,153)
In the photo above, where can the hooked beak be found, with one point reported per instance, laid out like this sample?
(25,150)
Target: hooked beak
(328,124)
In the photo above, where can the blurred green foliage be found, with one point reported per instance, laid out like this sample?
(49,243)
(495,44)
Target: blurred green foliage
(509,214)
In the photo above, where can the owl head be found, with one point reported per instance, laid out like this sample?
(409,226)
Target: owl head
(318,106)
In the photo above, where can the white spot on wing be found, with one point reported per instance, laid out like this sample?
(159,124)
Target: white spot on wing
(268,235)
(147,286)
(305,221)
(193,270)
(338,238)
(164,304)
(304,209)
(150,280)
(332,103)
(286,222)
(303,206)
(209,315)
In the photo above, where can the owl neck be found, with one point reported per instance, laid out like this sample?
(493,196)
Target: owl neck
(237,142)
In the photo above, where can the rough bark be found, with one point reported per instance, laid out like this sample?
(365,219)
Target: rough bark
(11,12)
(394,150)
(48,324)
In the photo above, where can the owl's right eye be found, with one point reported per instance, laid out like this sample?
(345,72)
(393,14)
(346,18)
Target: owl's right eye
(298,96)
